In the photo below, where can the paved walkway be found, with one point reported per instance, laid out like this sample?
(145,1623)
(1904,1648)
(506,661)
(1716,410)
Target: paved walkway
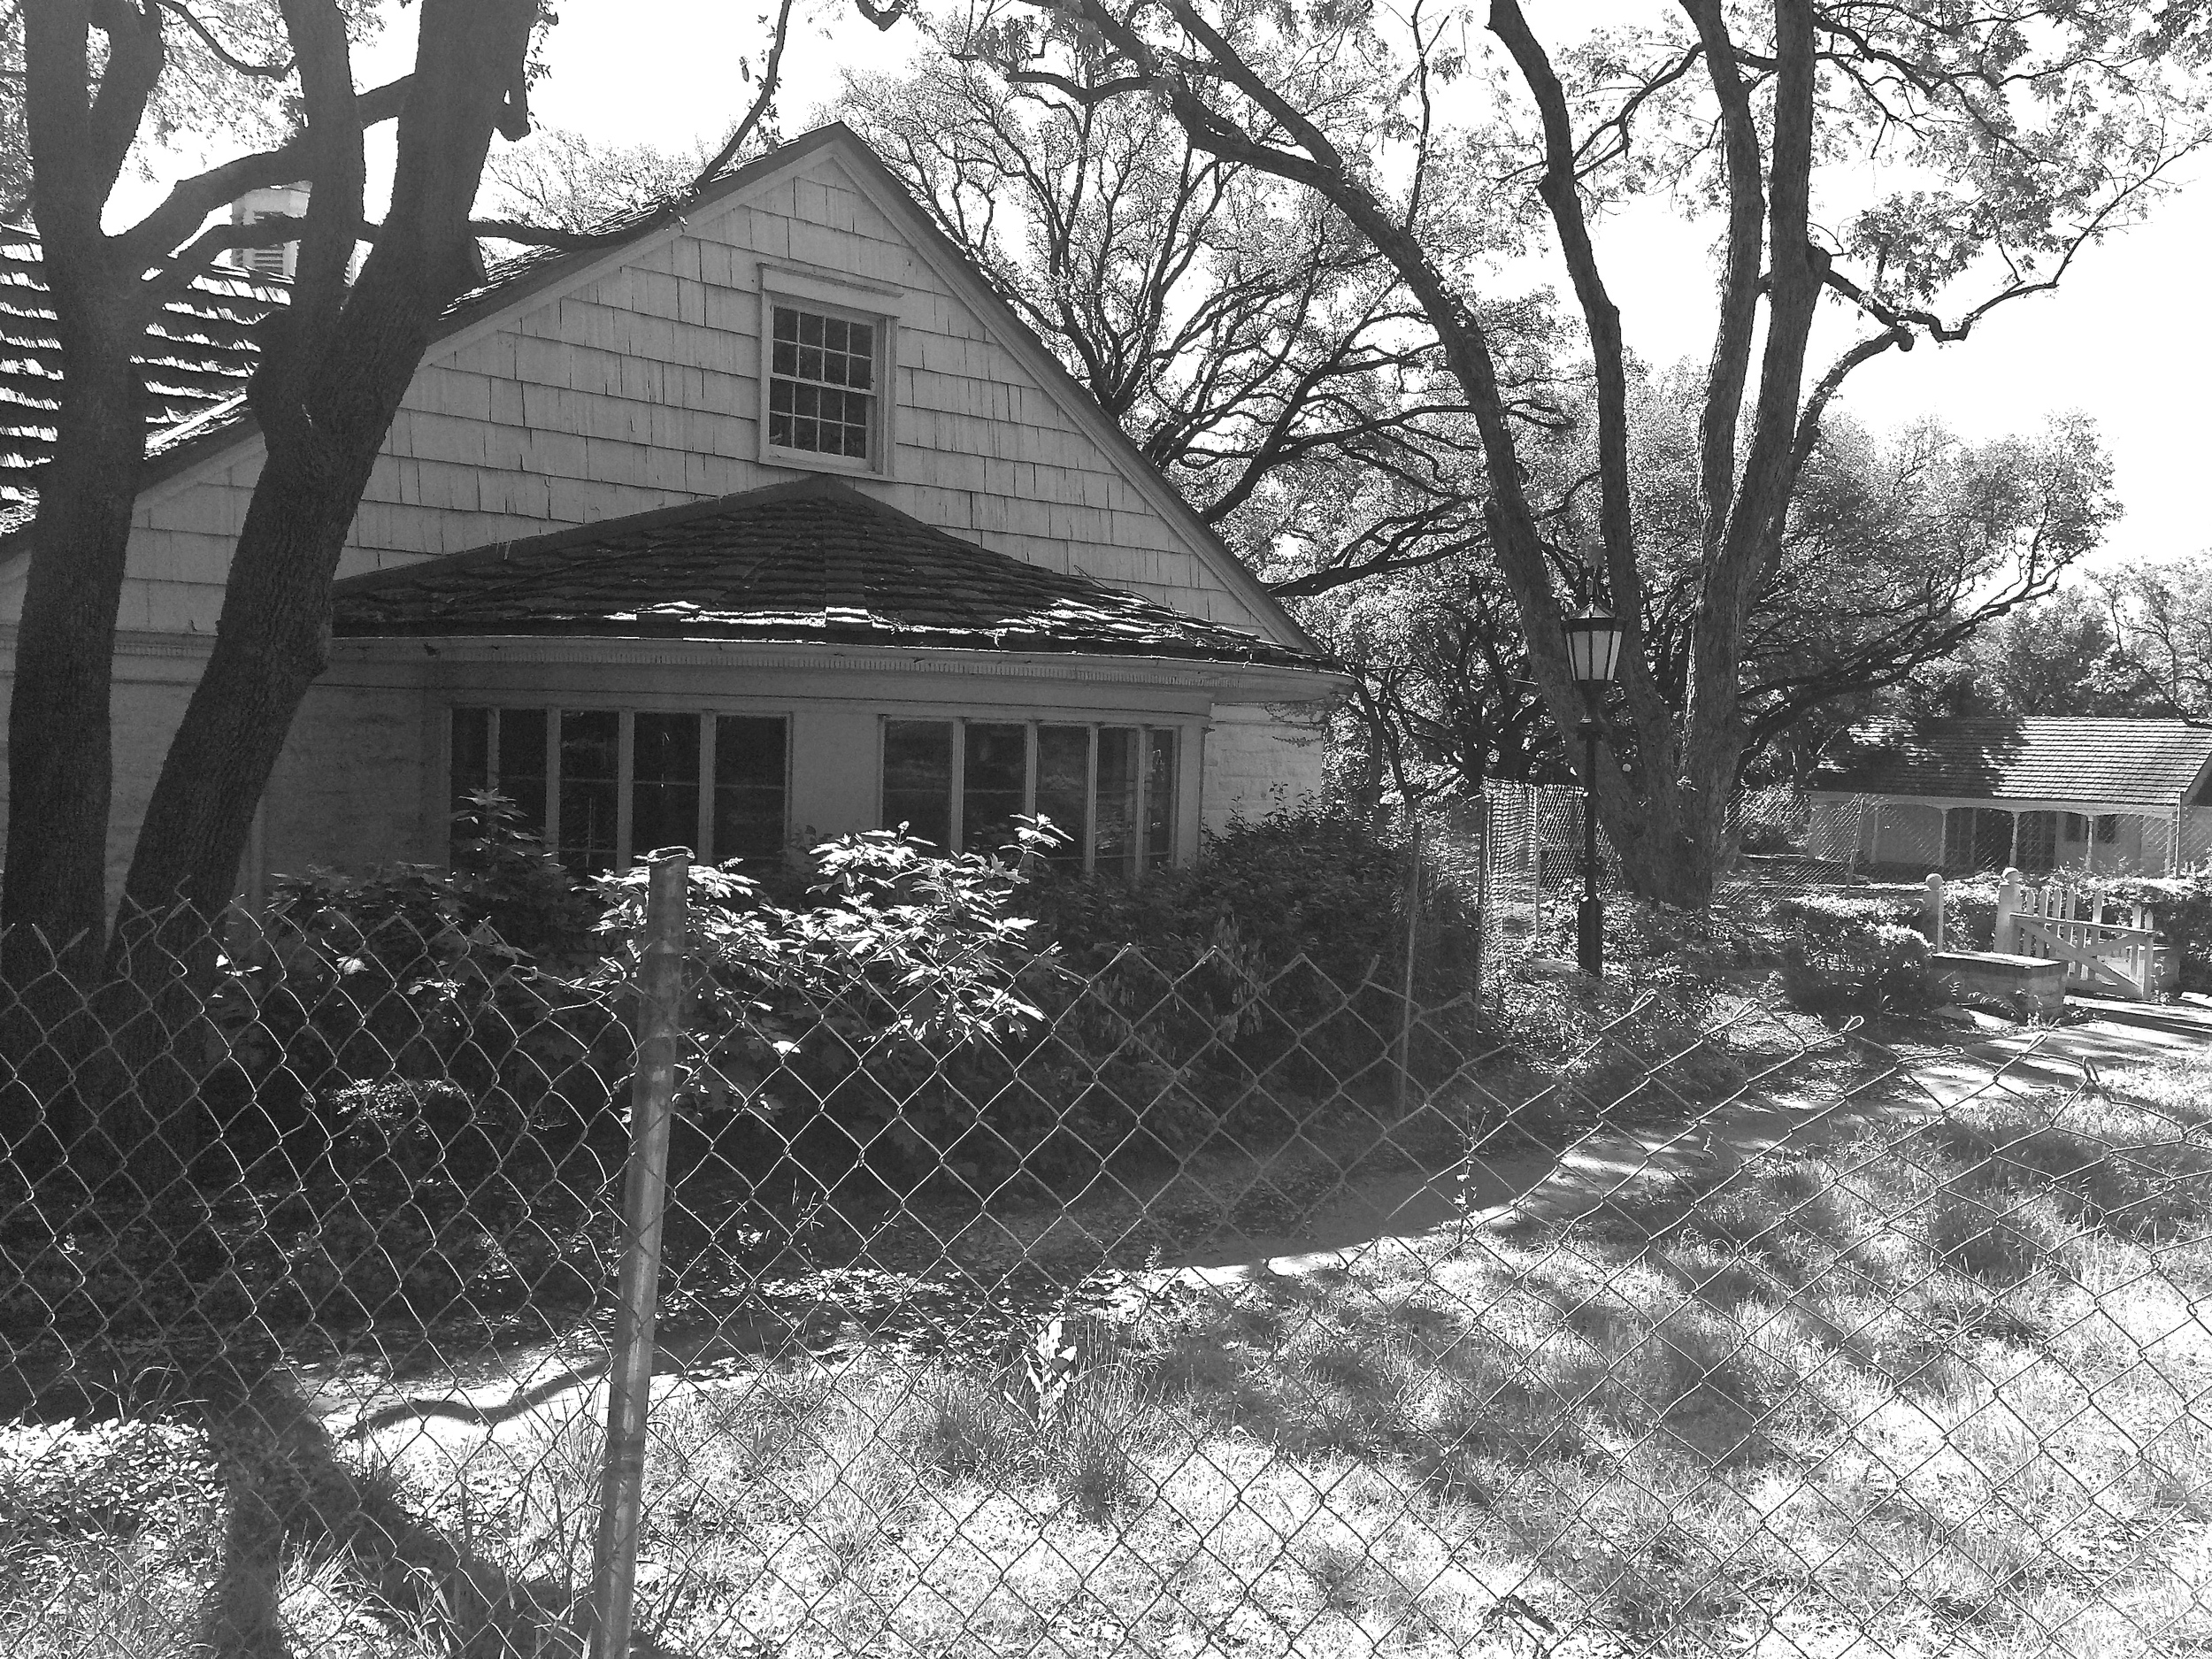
(1383,1213)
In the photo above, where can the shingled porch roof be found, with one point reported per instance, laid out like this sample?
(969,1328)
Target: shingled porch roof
(809,561)
(2152,764)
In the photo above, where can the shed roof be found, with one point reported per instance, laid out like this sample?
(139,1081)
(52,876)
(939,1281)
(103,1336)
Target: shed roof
(813,560)
(2152,764)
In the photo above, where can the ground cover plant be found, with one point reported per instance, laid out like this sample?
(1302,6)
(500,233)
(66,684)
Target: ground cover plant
(1934,1386)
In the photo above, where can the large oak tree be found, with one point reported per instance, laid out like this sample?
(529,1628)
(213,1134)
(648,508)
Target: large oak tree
(2008,139)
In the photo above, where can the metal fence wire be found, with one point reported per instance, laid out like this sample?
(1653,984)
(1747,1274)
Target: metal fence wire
(1066,1305)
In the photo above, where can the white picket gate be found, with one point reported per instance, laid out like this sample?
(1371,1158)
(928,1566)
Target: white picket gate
(2106,946)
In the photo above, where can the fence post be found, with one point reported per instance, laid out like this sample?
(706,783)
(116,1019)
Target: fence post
(1413,944)
(1934,903)
(1482,823)
(2008,906)
(630,1376)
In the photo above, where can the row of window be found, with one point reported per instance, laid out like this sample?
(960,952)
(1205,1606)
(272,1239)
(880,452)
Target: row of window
(604,786)
(1109,789)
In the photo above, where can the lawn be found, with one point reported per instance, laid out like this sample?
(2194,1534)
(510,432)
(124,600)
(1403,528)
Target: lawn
(1935,1387)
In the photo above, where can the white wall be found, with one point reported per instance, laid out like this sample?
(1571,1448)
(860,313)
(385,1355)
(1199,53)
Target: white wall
(1260,758)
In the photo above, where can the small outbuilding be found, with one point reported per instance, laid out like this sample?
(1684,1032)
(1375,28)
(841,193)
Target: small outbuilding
(2037,794)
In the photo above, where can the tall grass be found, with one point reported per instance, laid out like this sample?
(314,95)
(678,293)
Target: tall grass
(1936,1389)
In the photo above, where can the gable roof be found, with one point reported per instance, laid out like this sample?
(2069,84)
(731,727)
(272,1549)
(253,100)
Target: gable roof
(809,561)
(515,283)
(199,350)
(2152,764)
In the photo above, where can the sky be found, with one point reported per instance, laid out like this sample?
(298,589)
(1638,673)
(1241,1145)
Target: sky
(2127,338)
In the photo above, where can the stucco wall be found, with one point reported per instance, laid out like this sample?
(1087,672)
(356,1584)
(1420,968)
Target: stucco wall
(1904,832)
(1262,758)
(354,788)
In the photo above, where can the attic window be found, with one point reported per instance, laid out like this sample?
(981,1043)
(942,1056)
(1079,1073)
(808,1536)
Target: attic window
(822,384)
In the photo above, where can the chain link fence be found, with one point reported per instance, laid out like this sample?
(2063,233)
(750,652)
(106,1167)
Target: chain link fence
(1052,1304)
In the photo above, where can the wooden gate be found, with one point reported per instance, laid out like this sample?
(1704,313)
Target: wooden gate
(2106,946)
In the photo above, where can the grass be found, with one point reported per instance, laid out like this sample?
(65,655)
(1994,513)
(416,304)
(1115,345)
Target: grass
(1939,1388)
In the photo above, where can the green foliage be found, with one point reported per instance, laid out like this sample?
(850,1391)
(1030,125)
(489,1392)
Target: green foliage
(851,1010)
(412,973)
(1852,953)
(1587,1050)
(1318,883)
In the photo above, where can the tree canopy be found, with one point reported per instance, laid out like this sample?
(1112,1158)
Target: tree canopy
(2004,144)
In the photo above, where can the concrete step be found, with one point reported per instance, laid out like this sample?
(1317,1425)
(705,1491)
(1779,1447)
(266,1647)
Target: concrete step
(2185,1018)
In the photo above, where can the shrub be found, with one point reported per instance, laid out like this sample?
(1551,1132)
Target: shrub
(853,1025)
(2181,910)
(1279,955)
(1851,953)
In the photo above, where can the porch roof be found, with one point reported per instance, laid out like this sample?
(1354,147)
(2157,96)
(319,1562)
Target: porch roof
(2147,765)
(809,561)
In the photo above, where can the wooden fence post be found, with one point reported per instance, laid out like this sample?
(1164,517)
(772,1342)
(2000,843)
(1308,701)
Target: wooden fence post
(2007,905)
(1935,913)
(630,1376)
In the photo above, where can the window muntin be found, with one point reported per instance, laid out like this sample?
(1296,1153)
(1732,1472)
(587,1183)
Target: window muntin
(624,784)
(1111,789)
(821,383)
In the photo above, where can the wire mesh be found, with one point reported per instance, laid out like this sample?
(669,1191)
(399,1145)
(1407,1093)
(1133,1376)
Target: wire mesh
(1123,1307)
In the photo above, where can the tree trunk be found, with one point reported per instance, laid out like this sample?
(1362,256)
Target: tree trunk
(53,906)
(327,390)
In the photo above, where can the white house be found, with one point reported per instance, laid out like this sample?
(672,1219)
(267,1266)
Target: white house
(770,523)
(2041,793)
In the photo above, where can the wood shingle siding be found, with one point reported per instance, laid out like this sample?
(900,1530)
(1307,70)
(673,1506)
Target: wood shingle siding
(636,388)
(575,390)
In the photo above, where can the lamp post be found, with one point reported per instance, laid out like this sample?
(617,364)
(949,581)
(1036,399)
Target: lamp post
(1593,648)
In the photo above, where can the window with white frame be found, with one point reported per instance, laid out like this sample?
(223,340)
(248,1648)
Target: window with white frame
(824,382)
(603,787)
(1109,789)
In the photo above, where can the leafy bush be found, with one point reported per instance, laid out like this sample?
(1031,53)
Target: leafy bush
(1852,953)
(1588,1047)
(1279,953)
(2181,910)
(842,1023)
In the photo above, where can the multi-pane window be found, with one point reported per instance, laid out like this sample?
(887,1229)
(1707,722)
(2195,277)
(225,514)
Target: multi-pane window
(1110,789)
(821,383)
(605,786)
